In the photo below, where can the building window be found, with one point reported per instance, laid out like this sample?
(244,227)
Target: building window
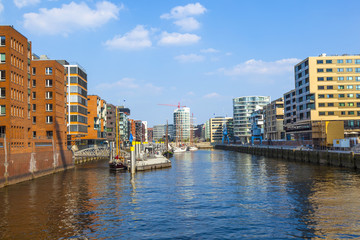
(49,119)
(348,61)
(330,104)
(328,61)
(341,95)
(340,61)
(320,79)
(350,95)
(2,110)
(321,104)
(33,83)
(49,107)
(357,70)
(329,87)
(357,79)
(349,78)
(351,112)
(340,78)
(49,134)
(349,69)
(48,71)
(357,95)
(329,79)
(330,113)
(2,92)
(343,113)
(2,57)
(341,87)
(321,96)
(34,107)
(320,70)
(34,120)
(321,113)
(48,95)
(34,134)
(341,104)
(357,87)
(2,40)
(2,75)
(340,69)
(349,86)
(357,61)
(329,70)
(320,61)
(48,83)
(33,95)
(34,71)
(320,87)
(329,95)
(350,104)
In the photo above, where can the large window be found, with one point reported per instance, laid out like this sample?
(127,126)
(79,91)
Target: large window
(2,57)
(49,119)
(328,61)
(348,61)
(48,95)
(340,61)
(2,40)
(49,107)
(48,83)
(2,92)
(349,78)
(48,71)
(340,69)
(2,110)
(329,70)
(2,75)
(349,69)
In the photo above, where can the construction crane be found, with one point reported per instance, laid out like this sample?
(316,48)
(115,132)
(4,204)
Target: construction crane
(172,105)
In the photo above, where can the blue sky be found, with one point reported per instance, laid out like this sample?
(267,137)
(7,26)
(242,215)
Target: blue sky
(199,53)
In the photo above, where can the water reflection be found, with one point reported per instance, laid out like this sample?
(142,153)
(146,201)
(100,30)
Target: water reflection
(206,194)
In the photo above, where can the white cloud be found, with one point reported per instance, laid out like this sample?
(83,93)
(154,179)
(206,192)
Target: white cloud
(128,83)
(178,39)
(209,50)
(188,24)
(24,3)
(70,17)
(138,38)
(189,58)
(253,66)
(1,7)
(131,86)
(212,95)
(178,12)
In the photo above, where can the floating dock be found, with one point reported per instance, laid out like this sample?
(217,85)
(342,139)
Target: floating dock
(152,163)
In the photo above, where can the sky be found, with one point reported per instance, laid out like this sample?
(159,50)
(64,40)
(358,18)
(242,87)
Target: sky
(201,54)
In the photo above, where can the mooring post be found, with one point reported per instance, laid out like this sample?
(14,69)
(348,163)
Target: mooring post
(132,159)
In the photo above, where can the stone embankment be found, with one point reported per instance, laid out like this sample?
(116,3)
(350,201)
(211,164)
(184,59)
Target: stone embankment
(332,158)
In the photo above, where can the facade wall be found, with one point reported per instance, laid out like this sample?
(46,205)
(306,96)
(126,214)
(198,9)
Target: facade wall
(110,123)
(274,119)
(15,92)
(217,126)
(182,124)
(48,101)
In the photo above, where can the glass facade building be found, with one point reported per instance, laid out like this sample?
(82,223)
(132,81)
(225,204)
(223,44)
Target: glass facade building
(182,124)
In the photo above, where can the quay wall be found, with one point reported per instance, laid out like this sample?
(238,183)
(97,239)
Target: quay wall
(17,165)
(331,158)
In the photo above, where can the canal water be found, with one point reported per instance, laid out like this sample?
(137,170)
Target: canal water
(208,194)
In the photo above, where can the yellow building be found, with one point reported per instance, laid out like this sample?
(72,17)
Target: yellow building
(217,126)
(327,89)
(274,120)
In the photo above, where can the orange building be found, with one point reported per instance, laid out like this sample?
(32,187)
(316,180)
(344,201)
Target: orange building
(48,100)
(132,128)
(96,120)
(15,101)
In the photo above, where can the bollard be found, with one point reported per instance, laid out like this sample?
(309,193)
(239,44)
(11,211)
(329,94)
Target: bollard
(132,159)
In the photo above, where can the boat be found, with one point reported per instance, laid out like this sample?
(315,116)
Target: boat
(192,148)
(179,149)
(117,162)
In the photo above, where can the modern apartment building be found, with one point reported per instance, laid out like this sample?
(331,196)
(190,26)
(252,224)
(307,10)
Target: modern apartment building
(110,122)
(289,113)
(48,96)
(77,119)
(96,132)
(123,125)
(217,126)
(274,120)
(327,89)
(150,134)
(15,91)
(242,109)
(182,124)
(159,131)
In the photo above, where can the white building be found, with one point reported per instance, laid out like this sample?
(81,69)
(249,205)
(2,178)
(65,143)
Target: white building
(182,124)
(242,109)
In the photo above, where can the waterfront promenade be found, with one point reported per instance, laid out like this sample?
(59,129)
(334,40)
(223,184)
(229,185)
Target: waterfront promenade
(346,159)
